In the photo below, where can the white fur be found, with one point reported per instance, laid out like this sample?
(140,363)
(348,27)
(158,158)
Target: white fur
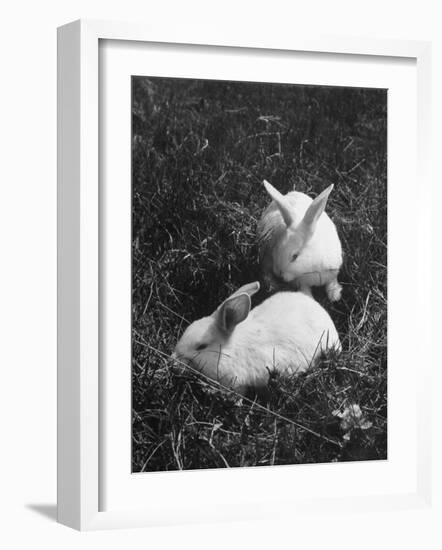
(283,231)
(286,333)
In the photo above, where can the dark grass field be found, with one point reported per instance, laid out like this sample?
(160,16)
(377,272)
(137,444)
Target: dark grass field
(200,152)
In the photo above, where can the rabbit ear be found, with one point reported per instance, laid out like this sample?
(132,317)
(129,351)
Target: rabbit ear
(316,208)
(231,312)
(250,289)
(281,202)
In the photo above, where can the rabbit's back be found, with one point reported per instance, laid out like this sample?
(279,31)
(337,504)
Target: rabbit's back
(295,317)
(287,333)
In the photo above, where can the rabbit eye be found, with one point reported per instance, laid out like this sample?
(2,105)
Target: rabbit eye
(294,257)
(201,347)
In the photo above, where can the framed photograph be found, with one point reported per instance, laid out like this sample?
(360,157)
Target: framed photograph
(243,276)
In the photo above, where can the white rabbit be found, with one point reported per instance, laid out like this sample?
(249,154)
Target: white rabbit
(299,244)
(239,348)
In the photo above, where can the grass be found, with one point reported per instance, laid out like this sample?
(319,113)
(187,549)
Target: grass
(200,152)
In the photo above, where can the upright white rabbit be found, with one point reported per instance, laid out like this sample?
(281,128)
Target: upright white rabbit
(238,347)
(299,244)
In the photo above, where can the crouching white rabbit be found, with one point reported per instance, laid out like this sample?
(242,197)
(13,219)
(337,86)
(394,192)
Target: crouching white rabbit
(239,347)
(299,244)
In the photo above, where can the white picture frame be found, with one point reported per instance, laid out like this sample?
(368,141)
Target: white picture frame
(79,436)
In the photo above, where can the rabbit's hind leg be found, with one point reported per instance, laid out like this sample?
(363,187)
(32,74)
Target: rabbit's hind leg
(333,290)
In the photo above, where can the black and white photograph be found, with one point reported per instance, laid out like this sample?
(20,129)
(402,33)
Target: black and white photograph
(259,274)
